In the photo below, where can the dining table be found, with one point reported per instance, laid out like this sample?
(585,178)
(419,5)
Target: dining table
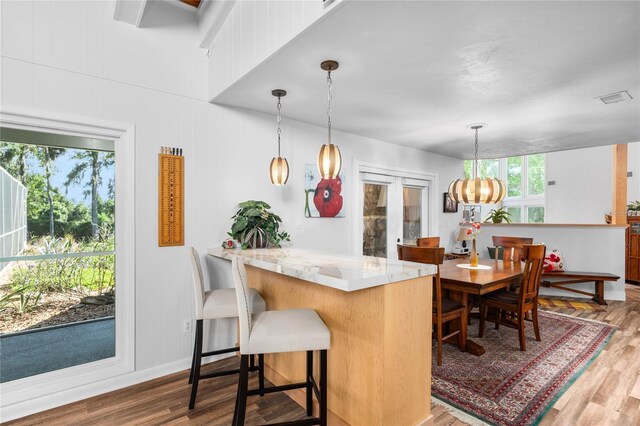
(461,280)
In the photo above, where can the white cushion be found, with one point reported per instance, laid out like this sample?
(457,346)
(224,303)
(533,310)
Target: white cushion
(292,330)
(222,303)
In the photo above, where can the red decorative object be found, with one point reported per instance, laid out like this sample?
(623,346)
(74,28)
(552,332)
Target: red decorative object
(553,262)
(327,198)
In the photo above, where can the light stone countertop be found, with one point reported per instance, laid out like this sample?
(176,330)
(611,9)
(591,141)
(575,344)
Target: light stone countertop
(343,272)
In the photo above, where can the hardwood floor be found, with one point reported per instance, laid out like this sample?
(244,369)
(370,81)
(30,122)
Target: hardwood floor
(607,393)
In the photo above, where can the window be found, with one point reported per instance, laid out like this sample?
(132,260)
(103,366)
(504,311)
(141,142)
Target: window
(21,126)
(524,178)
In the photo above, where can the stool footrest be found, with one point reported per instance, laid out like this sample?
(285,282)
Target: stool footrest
(314,385)
(312,421)
(219,374)
(280,388)
(221,351)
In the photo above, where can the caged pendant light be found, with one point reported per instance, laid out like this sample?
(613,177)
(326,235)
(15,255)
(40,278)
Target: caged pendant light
(329,158)
(279,167)
(476,190)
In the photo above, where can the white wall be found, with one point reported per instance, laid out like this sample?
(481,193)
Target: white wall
(253,31)
(584,181)
(247,142)
(589,249)
(73,58)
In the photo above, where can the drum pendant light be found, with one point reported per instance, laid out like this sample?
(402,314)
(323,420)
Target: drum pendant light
(329,158)
(279,167)
(476,190)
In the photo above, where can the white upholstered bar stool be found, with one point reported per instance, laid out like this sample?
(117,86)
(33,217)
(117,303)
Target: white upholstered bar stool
(291,330)
(210,305)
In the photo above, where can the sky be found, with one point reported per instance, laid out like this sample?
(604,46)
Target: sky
(75,192)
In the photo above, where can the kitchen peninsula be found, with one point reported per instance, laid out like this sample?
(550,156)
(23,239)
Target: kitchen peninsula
(379,314)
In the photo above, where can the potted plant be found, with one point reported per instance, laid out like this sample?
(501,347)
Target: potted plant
(254,226)
(633,208)
(498,215)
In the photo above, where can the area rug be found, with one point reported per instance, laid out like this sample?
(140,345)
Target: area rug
(570,303)
(506,386)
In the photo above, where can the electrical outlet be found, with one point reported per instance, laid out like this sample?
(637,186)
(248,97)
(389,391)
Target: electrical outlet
(186,326)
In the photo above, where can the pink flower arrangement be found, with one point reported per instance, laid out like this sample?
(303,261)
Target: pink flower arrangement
(474,230)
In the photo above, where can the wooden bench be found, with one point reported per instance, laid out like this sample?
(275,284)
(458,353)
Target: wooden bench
(574,277)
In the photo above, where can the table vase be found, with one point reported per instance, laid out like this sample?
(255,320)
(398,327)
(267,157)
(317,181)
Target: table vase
(473,259)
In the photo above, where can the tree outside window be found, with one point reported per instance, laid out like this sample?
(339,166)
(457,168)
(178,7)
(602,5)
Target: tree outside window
(535,174)
(514,176)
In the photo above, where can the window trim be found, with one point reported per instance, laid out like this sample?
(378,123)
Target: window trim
(19,397)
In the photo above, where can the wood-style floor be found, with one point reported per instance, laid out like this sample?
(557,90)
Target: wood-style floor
(607,393)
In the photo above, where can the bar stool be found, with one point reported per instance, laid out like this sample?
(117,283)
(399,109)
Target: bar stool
(210,305)
(291,330)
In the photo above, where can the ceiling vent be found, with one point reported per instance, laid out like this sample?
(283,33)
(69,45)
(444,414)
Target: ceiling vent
(612,98)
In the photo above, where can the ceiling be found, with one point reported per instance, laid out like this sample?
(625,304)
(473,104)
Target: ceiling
(415,73)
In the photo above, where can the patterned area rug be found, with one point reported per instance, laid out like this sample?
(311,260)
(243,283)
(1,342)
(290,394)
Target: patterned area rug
(506,386)
(570,303)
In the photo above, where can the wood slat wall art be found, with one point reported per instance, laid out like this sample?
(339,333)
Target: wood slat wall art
(170,200)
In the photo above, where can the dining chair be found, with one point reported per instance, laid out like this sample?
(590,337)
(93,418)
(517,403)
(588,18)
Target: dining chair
(511,247)
(525,300)
(428,242)
(444,309)
(211,305)
(291,330)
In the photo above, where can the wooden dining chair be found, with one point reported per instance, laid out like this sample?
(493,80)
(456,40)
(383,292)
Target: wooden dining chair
(511,247)
(444,309)
(428,242)
(526,300)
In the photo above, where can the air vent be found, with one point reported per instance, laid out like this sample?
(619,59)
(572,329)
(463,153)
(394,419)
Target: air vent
(612,98)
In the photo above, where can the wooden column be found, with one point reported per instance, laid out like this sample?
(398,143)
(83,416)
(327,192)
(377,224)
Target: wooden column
(619,197)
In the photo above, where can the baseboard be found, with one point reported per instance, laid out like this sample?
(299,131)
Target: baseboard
(47,402)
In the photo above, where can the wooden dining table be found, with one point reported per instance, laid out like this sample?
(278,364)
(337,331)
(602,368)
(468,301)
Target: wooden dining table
(461,283)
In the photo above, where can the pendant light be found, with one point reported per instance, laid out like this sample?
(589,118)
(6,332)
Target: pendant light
(279,167)
(329,158)
(476,190)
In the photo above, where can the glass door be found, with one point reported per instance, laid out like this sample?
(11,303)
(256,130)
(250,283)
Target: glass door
(394,211)
(375,218)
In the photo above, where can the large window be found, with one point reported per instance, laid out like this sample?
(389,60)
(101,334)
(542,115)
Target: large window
(57,282)
(524,177)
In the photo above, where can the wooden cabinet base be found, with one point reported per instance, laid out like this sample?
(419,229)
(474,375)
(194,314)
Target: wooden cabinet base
(380,356)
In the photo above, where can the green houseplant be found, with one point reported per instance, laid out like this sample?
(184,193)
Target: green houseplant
(634,206)
(498,216)
(254,226)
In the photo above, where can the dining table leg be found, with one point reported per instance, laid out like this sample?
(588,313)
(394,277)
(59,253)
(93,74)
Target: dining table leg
(469,345)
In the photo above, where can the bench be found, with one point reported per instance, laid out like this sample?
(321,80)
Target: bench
(574,277)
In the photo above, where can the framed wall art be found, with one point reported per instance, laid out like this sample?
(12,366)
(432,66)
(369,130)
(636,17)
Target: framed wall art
(448,204)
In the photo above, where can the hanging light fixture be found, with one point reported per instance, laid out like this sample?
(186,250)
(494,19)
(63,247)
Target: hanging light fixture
(329,158)
(475,190)
(279,167)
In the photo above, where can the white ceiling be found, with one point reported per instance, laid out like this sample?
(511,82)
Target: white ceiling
(415,73)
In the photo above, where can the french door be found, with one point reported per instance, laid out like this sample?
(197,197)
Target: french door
(394,210)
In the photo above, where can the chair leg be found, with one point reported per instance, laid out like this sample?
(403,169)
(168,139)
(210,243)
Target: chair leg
(440,343)
(243,385)
(309,385)
(261,373)
(198,362)
(483,317)
(523,343)
(499,318)
(193,359)
(323,388)
(534,315)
